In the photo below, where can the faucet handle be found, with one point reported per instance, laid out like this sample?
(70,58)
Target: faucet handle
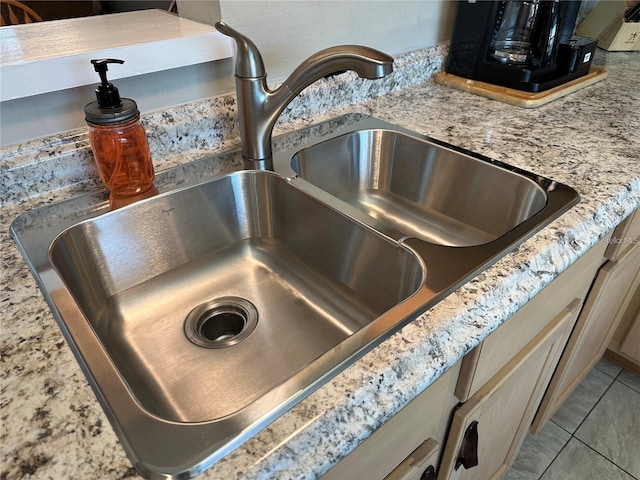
(249,62)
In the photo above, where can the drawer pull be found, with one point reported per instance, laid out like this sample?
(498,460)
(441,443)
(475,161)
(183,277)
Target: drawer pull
(469,457)
(429,473)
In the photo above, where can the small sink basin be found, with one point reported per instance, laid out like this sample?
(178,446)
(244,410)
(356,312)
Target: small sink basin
(208,298)
(201,315)
(423,189)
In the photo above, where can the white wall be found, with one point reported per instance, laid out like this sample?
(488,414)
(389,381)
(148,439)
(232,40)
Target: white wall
(286,32)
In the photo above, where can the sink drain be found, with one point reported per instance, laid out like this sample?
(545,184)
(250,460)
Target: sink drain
(221,323)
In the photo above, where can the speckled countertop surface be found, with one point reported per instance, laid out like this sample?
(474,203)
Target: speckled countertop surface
(52,425)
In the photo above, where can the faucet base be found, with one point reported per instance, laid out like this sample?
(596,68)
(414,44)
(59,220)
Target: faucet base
(258,164)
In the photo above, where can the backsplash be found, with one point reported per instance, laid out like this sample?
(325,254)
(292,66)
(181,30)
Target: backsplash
(192,131)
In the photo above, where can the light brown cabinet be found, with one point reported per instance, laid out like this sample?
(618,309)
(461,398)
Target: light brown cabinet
(611,293)
(487,430)
(624,347)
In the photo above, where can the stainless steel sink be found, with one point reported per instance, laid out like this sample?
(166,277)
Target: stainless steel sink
(209,298)
(423,189)
(210,310)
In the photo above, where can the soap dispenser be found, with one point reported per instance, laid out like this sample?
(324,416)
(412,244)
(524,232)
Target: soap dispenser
(119,142)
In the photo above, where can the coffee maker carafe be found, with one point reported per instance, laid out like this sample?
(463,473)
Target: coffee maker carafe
(523,44)
(526,32)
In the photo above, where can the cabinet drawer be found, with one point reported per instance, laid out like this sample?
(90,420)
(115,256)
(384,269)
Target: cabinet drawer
(425,417)
(495,351)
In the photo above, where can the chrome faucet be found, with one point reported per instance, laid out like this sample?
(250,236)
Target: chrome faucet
(259,107)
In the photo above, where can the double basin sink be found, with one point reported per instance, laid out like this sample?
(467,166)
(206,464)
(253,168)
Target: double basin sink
(208,311)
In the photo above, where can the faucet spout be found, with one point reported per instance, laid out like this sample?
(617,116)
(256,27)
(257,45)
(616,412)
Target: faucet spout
(366,62)
(259,107)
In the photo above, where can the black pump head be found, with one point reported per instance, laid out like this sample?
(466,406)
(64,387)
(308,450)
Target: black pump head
(106,93)
(110,109)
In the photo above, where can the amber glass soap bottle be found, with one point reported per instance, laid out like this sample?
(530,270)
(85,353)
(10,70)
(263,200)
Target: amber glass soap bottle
(119,142)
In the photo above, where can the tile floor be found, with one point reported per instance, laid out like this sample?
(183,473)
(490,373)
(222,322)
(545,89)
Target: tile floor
(594,435)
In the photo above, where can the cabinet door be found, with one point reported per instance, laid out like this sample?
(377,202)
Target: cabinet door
(489,428)
(624,347)
(597,322)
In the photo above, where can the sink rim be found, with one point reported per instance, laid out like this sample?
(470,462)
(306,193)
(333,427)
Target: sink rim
(179,451)
(189,459)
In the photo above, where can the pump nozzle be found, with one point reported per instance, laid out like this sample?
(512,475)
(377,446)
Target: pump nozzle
(106,93)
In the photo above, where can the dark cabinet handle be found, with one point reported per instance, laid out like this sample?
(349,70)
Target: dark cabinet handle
(469,457)
(429,473)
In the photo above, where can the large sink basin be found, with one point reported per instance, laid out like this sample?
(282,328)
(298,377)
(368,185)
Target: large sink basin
(201,315)
(209,298)
(423,189)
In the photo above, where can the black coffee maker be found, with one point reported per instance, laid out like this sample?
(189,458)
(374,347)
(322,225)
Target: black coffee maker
(523,44)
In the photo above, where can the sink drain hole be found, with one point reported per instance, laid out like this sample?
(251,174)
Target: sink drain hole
(222,326)
(221,322)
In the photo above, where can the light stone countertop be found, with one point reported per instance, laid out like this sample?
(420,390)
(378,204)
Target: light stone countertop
(52,424)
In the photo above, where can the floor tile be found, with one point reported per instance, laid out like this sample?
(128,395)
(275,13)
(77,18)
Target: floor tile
(575,409)
(608,367)
(630,380)
(578,462)
(537,453)
(613,427)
